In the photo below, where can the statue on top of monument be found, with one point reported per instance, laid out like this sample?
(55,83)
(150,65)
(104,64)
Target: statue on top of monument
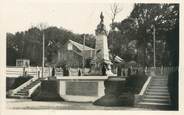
(101,29)
(101,17)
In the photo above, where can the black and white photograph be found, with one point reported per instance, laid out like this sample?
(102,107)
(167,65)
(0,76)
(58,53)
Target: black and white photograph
(92,55)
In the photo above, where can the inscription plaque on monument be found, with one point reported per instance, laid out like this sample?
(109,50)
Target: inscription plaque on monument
(82,88)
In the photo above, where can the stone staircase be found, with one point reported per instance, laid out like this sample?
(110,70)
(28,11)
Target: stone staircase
(156,95)
(25,91)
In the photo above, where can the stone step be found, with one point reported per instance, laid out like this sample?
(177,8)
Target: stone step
(20,97)
(158,87)
(157,90)
(157,97)
(23,89)
(22,92)
(27,89)
(29,86)
(155,87)
(153,106)
(163,80)
(156,100)
(159,82)
(36,82)
(157,93)
(154,103)
(33,83)
(162,84)
(25,94)
(160,78)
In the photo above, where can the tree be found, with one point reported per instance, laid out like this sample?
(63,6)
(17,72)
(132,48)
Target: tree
(12,50)
(121,38)
(28,44)
(137,27)
(115,10)
(162,16)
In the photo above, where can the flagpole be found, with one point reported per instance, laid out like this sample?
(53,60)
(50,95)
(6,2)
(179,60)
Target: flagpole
(43,54)
(83,59)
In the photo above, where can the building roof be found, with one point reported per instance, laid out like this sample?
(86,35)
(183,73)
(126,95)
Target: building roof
(118,59)
(80,46)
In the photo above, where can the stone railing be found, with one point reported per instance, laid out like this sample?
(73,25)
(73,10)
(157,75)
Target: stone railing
(163,71)
(33,89)
(13,91)
(13,71)
(139,96)
(157,70)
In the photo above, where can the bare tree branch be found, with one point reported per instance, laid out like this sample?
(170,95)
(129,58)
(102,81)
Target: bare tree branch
(115,10)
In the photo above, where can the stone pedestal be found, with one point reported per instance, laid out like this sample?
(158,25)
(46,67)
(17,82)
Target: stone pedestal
(48,91)
(115,94)
(81,89)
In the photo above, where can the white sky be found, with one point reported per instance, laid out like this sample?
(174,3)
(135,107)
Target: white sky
(78,17)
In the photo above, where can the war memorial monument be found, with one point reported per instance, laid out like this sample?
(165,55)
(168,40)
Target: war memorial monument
(82,88)
(101,86)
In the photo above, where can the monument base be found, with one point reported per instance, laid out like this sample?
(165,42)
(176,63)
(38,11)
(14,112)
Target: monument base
(48,91)
(81,89)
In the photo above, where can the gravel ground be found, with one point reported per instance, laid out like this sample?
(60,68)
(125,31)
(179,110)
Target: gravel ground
(37,105)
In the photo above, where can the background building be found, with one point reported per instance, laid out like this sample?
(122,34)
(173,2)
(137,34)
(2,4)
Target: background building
(72,54)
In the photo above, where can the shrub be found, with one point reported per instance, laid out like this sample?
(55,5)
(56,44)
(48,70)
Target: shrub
(134,83)
(20,80)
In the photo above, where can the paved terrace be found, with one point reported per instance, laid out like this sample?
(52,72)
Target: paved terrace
(37,105)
